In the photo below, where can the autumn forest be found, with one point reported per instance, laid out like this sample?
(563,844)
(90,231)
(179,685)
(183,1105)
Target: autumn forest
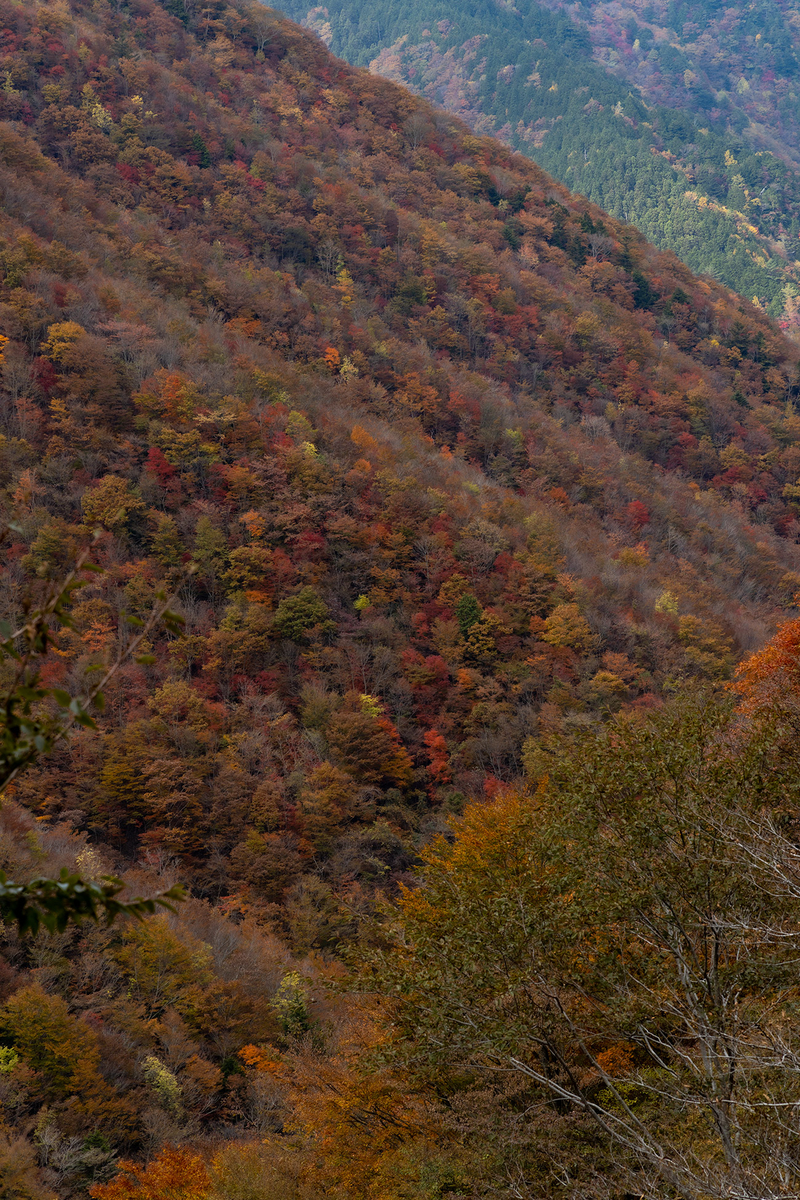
(470,729)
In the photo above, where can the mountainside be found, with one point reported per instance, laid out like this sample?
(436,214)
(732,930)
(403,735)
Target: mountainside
(738,61)
(682,121)
(440,460)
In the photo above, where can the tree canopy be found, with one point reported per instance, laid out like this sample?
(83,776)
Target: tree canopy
(620,941)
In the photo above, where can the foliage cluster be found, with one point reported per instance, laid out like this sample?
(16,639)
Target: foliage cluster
(620,946)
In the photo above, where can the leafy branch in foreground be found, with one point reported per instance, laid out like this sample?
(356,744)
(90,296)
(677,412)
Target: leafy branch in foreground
(30,728)
(54,903)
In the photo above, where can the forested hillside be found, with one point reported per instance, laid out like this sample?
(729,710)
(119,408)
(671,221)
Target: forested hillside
(682,121)
(441,464)
(739,60)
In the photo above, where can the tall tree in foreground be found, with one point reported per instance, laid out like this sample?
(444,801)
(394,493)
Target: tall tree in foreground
(607,966)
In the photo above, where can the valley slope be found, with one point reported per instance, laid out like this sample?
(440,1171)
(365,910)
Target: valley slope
(439,460)
(682,121)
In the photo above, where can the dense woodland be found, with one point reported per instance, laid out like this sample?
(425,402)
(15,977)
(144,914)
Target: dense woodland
(681,120)
(451,476)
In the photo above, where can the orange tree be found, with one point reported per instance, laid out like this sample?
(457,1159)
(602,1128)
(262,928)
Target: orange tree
(768,685)
(176,1174)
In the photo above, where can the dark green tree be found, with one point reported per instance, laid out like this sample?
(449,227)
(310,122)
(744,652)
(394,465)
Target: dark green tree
(468,613)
